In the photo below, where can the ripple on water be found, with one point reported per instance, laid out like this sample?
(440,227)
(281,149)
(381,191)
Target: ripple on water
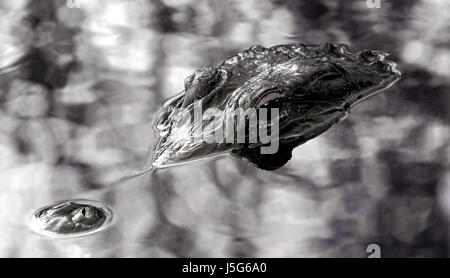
(70,218)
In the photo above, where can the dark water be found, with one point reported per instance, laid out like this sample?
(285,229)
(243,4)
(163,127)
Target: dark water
(79,87)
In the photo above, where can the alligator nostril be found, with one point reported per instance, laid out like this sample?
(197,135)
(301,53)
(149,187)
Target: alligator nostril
(392,67)
(367,55)
(382,66)
(381,55)
(372,55)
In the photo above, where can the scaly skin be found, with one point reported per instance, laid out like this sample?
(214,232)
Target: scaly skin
(313,87)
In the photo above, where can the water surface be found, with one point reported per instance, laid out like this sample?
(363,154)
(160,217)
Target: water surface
(79,88)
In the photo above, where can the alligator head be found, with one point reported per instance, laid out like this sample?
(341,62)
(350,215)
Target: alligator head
(312,88)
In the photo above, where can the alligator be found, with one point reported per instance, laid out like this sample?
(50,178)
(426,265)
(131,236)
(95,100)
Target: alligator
(312,86)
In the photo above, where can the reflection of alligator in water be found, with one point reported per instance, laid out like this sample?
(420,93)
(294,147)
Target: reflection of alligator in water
(313,87)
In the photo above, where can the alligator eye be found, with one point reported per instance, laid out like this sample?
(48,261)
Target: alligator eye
(269,96)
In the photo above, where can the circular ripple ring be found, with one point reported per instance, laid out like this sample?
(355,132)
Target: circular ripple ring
(70,218)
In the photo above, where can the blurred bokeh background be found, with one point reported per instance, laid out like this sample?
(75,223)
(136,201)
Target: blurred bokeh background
(81,80)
